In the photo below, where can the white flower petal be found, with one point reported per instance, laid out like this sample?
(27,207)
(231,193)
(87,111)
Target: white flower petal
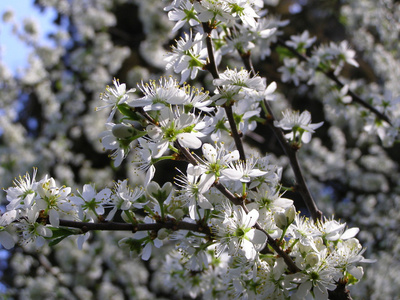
(54,218)
(258,238)
(189,140)
(349,233)
(147,251)
(6,240)
(232,174)
(209,152)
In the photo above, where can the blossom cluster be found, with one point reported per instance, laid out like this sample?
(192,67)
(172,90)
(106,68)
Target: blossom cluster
(325,251)
(160,125)
(235,234)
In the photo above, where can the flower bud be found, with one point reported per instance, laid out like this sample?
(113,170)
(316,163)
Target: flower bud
(122,131)
(178,214)
(304,248)
(281,220)
(357,272)
(8,16)
(152,188)
(353,243)
(162,234)
(290,213)
(284,219)
(312,258)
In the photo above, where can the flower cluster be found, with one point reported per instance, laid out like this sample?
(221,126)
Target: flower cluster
(237,202)
(226,215)
(324,251)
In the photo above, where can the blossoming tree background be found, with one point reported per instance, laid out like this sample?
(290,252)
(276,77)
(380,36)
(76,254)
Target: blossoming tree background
(183,179)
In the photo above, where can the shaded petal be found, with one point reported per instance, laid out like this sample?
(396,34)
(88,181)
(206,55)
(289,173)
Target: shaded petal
(147,251)
(258,238)
(209,152)
(6,240)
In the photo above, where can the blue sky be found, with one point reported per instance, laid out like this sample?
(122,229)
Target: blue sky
(13,53)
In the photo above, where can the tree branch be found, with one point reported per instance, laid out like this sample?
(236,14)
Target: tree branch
(235,133)
(288,260)
(291,153)
(212,68)
(340,293)
(116,226)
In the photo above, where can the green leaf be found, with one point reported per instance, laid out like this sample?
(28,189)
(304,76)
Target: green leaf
(61,233)
(284,52)
(138,134)
(129,112)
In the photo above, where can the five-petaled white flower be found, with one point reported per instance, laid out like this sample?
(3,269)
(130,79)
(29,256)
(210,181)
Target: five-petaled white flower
(192,190)
(236,233)
(115,96)
(176,126)
(215,165)
(300,124)
(124,198)
(188,57)
(23,192)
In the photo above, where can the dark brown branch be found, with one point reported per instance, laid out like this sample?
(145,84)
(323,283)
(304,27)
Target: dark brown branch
(340,293)
(291,153)
(246,58)
(211,65)
(212,68)
(288,260)
(228,194)
(116,226)
(235,132)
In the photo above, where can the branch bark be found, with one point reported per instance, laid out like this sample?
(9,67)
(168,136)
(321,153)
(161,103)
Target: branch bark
(116,226)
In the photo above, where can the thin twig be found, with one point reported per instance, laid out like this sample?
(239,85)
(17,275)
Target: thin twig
(246,58)
(235,133)
(291,153)
(288,260)
(212,68)
(334,78)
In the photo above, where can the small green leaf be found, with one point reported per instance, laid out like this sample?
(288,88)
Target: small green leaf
(283,52)
(61,233)
(129,112)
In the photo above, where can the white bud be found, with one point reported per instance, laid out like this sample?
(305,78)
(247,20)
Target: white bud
(162,234)
(357,272)
(122,131)
(178,213)
(312,259)
(290,214)
(281,220)
(152,188)
(303,248)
